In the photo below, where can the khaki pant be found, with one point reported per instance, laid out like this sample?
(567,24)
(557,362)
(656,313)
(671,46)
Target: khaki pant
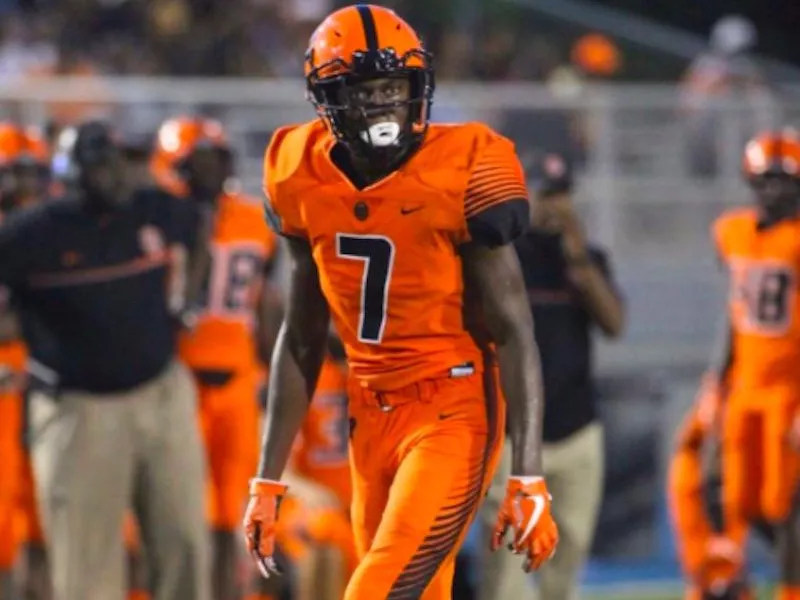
(94,456)
(574,472)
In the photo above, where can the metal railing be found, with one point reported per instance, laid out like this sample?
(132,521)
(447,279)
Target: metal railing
(640,187)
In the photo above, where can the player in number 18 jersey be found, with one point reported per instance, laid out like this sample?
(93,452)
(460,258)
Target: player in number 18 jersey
(192,160)
(401,231)
(760,249)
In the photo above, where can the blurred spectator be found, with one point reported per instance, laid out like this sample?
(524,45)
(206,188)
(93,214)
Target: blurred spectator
(24,47)
(571,291)
(725,72)
(113,417)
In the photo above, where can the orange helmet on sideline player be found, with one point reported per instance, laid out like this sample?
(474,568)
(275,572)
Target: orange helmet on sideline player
(364,43)
(182,140)
(771,165)
(24,159)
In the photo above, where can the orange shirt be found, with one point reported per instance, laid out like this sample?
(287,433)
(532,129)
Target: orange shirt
(241,246)
(320,452)
(764,303)
(388,255)
(13,356)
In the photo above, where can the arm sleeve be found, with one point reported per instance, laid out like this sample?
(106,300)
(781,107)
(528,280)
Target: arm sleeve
(496,200)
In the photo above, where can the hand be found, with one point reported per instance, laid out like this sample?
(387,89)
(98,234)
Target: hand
(722,564)
(259,523)
(573,238)
(557,214)
(526,509)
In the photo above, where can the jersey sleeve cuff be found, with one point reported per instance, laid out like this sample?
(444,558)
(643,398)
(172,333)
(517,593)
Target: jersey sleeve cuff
(500,224)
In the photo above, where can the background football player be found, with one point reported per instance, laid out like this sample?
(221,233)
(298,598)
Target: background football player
(24,175)
(314,531)
(192,159)
(711,551)
(760,349)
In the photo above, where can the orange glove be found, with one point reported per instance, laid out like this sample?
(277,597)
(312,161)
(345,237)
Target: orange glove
(722,565)
(526,508)
(259,522)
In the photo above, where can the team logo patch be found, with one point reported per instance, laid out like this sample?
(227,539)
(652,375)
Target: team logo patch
(151,241)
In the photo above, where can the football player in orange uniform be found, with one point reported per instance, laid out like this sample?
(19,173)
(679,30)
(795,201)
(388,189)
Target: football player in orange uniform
(24,169)
(314,530)
(711,549)
(401,231)
(760,248)
(192,159)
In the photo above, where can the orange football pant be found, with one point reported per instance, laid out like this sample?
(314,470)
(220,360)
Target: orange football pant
(686,493)
(760,468)
(229,421)
(10,472)
(422,459)
(788,593)
(30,525)
(685,496)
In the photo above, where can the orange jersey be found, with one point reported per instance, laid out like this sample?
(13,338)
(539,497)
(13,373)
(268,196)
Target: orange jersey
(320,452)
(13,356)
(241,246)
(388,255)
(764,303)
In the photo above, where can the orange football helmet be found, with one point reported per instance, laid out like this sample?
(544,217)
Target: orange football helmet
(771,165)
(21,145)
(24,164)
(176,141)
(355,45)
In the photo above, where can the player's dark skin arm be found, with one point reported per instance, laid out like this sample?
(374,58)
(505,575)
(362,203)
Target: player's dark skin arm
(722,351)
(602,302)
(270,315)
(296,361)
(199,260)
(497,276)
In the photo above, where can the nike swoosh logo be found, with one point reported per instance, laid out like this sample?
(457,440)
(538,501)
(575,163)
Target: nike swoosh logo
(538,510)
(408,211)
(444,416)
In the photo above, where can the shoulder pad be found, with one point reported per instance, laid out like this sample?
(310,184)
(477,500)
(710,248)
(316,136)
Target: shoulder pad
(287,150)
(730,226)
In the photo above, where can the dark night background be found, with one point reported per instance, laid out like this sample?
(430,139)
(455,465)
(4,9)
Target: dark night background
(778,22)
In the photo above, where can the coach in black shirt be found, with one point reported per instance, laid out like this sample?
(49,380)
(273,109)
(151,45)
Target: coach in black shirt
(98,278)
(571,291)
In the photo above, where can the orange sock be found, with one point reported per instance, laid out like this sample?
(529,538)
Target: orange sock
(788,592)
(138,595)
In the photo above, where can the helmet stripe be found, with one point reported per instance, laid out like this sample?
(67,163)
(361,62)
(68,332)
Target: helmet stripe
(370,31)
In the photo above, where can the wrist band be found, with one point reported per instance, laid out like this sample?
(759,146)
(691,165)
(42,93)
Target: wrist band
(259,485)
(527,479)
